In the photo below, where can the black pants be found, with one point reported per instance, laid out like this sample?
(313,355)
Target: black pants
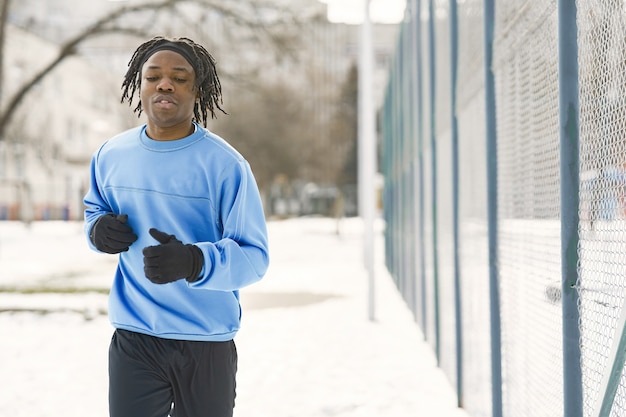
(148,376)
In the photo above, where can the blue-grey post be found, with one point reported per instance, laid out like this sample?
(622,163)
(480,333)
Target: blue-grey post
(419,134)
(433,157)
(569,138)
(492,213)
(454,129)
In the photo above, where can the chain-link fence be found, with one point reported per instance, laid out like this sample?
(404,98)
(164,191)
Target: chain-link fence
(504,156)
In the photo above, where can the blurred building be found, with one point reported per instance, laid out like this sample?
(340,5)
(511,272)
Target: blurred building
(44,155)
(77,105)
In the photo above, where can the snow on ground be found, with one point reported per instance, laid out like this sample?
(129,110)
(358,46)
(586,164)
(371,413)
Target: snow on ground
(306,348)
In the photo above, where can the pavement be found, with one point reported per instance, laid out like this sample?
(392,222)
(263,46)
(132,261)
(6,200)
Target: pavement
(307,348)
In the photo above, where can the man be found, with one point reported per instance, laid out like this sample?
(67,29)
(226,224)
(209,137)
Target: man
(181,208)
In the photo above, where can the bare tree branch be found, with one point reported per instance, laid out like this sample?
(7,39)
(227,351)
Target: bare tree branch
(69,48)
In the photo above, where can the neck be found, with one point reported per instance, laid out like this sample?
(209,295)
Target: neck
(175,132)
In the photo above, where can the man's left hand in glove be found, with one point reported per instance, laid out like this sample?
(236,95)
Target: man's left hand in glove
(171,260)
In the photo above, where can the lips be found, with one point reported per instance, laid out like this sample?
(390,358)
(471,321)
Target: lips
(162,100)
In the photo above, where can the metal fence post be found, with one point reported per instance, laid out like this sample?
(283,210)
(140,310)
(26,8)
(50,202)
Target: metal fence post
(492,213)
(433,154)
(569,138)
(454,129)
(418,91)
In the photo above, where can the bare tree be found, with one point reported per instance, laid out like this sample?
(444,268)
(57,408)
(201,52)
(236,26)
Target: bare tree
(4,11)
(271,126)
(344,130)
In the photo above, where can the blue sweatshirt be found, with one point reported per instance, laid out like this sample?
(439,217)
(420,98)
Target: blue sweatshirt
(202,191)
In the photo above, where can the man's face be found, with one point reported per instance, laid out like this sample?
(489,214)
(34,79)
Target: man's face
(168,92)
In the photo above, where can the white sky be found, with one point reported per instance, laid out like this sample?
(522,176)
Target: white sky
(351,11)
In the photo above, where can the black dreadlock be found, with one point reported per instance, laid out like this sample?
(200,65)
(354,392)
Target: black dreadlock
(207,82)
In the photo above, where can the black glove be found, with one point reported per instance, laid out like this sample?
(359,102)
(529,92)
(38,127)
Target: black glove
(111,234)
(171,260)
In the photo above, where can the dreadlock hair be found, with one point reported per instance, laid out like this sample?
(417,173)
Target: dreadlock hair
(207,82)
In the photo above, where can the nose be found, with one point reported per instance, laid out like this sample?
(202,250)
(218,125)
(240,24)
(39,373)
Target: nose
(165,85)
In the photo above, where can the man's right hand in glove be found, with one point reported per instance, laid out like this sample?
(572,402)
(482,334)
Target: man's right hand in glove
(111,234)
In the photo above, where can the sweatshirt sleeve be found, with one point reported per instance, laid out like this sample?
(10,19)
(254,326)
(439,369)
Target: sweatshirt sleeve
(95,205)
(241,257)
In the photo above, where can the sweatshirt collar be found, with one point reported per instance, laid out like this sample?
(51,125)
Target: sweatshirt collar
(170,145)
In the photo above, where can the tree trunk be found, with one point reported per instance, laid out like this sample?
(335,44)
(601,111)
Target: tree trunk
(4,11)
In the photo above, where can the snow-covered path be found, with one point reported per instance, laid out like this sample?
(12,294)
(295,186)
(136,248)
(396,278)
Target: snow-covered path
(306,348)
